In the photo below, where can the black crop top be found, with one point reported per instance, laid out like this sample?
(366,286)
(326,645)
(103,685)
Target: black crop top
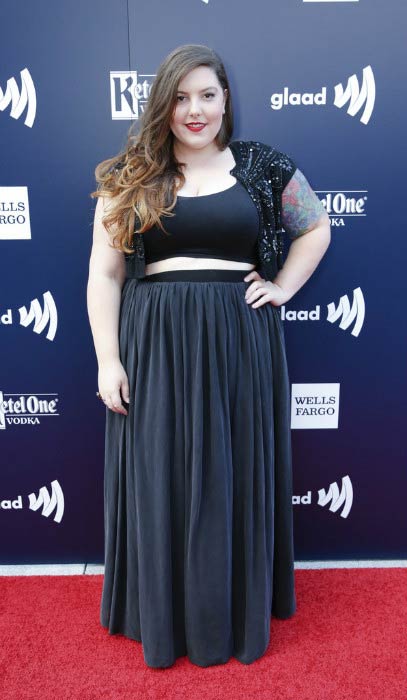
(223,224)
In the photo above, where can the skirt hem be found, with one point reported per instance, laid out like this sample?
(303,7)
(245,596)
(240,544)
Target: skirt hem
(193,659)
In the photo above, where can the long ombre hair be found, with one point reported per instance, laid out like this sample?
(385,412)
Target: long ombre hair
(141,180)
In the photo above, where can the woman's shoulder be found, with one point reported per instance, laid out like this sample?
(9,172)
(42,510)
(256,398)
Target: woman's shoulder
(270,157)
(265,148)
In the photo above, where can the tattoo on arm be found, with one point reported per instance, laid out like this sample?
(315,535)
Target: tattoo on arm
(301,208)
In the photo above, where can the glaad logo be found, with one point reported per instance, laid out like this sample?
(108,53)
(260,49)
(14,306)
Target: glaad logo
(339,205)
(48,503)
(348,314)
(357,97)
(20,99)
(333,497)
(330,0)
(343,311)
(129,91)
(336,499)
(26,409)
(42,317)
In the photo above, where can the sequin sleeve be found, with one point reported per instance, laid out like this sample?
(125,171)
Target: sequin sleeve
(301,208)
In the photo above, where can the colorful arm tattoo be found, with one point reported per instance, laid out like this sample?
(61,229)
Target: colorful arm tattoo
(301,208)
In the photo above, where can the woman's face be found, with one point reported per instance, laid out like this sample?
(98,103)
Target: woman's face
(200,98)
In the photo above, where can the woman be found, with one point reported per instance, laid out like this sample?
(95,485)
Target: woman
(192,370)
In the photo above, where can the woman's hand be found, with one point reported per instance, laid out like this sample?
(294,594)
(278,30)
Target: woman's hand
(265,291)
(112,380)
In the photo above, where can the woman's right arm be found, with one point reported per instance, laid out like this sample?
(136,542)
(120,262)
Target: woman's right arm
(107,273)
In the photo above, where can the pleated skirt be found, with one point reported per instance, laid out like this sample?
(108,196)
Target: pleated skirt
(198,519)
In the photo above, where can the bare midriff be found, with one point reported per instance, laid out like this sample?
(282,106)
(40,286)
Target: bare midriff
(185,263)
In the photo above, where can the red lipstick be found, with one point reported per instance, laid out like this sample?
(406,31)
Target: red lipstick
(195,126)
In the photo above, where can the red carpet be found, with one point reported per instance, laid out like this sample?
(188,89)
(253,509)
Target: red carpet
(348,640)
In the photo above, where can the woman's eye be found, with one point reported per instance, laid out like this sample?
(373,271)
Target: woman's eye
(207,94)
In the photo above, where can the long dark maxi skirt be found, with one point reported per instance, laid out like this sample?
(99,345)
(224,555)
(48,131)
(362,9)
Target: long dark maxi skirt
(198,476)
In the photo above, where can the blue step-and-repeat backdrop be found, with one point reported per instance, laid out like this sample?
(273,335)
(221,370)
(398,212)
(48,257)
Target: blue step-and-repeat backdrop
(322,81)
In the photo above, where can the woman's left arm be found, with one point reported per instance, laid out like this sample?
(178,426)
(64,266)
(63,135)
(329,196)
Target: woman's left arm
(307,223)
(304,256)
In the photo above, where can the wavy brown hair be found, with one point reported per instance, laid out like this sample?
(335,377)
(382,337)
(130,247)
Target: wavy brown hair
(141,180)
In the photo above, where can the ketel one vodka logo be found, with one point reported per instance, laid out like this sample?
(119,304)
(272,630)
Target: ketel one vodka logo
(43,318)
(344,314)
(129,92)
(26,409)
(50,505)
(354,97)
(17,99)
(334,498)
(341,205)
